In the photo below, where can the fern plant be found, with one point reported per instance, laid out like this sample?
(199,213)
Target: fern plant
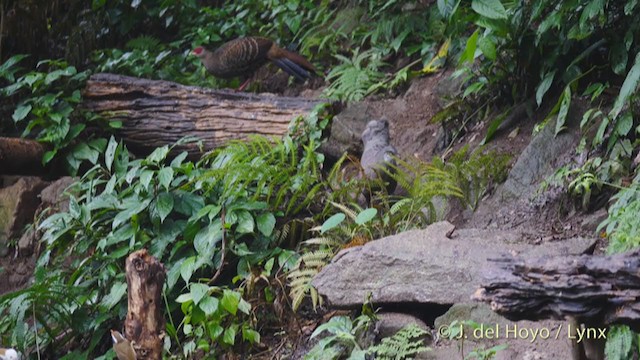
(404,344)
(355,78)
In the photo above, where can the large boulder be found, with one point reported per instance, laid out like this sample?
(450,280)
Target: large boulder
(18,204)
(436,265)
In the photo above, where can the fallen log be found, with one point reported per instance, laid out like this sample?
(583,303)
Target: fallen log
(156,113)
(585,287)
(595,291)
(21,156)
(144,325)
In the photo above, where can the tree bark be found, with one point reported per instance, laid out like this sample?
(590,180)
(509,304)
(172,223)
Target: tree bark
(145,323)
(21,156)
(156,113)
(591,289)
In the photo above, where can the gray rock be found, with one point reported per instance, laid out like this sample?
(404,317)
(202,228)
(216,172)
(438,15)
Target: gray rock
(27,242)
(390,323)
(494,332)
(346,129)
(53,195)
(18,204)
(378,155)
(430,266)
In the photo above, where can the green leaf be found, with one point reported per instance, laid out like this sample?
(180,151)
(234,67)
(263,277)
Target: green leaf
(145,178)
(21,112)
(332,222)
(488,47)
(564,110)
(187,268)
(215,330)
(115,295)
(82,151)
(470,50)
(230,301)
(250,335)
(245,222)
(624,124)
(493,9)
(209,305)
(366,215)
(208,237)
(110,153)
(229,336)
(544,86)
(628,87)
(159,154)
(447,7)
(165,176)
(266,222)
(244,306)
(48,156)
(619,58)
(198,292)
(164,205)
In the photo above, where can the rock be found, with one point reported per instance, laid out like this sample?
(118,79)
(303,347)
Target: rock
(18,204)
(52,195)
(346,129)
(522,344)
(425,267)
(390,323)
(27,242)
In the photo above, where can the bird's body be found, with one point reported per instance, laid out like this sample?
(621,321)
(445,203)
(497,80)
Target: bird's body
(9,354)
(243,56)
(377,159)
(123,347)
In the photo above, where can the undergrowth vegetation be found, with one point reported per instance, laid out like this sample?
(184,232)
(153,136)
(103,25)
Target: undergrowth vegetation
(243,229)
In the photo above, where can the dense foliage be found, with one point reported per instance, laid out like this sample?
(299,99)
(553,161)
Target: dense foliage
(226,226)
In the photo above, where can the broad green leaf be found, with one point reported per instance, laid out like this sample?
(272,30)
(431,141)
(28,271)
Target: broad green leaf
(447,7)
(230,301)
(229,336)
(110,153)
(208,237)
(493,9)
(159,154)
(366,215)
(628,87)
(215,330)
(244,306)
(48,156)
(164,204)
(488,47)
(21,112)
(145,178)
(624,124)
(470,50)
(187,268)
(115,295)
(198,292)
(250,335)
(266,222)
(619,58)
(165,176)
(544,86)
(245,222)
(209,305)
(332,222)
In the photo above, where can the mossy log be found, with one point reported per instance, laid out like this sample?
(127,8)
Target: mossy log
(145,321)
(156,113)
(21,156)
(591,289)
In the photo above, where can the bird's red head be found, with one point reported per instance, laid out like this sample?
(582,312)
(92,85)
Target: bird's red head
(198,51)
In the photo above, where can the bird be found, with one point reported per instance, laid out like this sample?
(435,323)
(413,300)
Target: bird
(378,156)
(9,354)
(123,347)
(243,56)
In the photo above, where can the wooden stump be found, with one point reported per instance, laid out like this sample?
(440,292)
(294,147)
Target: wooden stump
(145,321)
(21,156)
(156,113)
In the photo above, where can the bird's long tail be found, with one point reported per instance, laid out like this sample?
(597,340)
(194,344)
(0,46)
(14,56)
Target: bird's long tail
(291,63)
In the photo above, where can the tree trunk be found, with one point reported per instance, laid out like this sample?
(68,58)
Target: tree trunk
(145,322)
(156,113)
(20,156)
